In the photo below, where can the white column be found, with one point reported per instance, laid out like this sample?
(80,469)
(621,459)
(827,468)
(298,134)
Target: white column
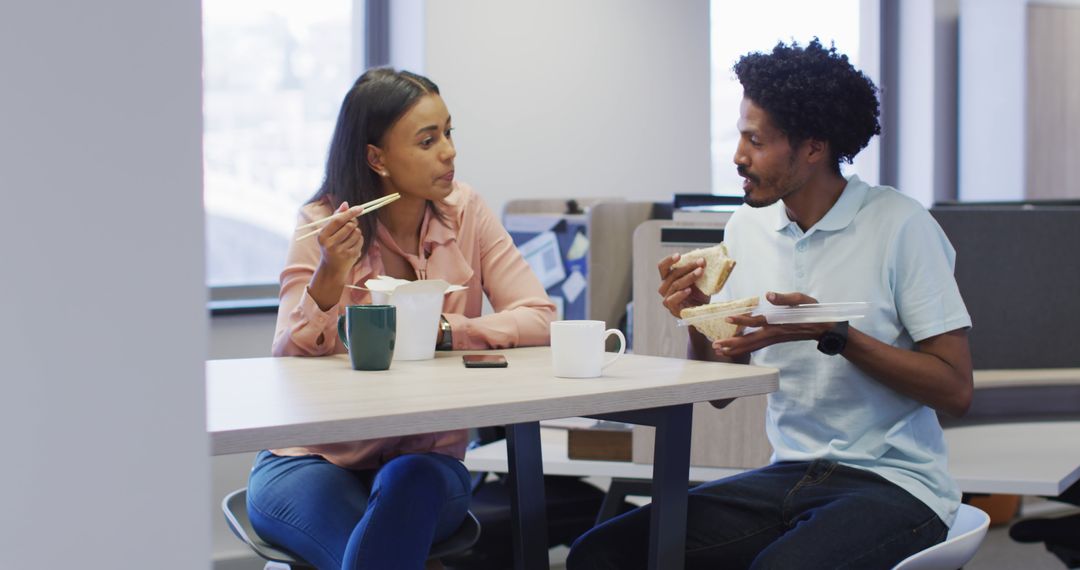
(926,148)
(992,99)
(104,319)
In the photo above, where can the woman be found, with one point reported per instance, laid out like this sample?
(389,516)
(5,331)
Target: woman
(382,503)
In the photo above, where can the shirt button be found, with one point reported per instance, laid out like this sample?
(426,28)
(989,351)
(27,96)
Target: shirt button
(799,274)
(801,246)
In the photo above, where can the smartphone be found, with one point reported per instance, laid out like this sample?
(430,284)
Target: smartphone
(484,361)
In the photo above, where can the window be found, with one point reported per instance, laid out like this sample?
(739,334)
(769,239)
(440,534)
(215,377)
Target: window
(274,74)
(742,27)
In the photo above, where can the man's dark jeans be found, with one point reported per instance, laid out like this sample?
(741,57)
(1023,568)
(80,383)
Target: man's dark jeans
(804,515)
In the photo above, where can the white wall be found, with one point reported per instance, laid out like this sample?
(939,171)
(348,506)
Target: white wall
(102,406)
(563,98)
(868,161)
(407,34)
(993,83)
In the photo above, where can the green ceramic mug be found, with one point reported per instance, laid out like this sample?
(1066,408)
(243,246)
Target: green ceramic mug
(369,331)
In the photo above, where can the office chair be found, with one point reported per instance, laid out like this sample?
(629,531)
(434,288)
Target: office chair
(1060,535)
(959,546)
(234,506)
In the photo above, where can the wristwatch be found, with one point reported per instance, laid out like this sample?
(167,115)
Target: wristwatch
(447,338)
(834,340)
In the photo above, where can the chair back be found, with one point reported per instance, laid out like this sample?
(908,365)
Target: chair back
(959,546)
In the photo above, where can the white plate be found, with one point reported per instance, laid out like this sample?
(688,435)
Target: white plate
(813,313)
(709,317)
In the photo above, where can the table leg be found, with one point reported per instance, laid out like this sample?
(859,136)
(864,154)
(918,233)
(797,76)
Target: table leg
(671,474)
(616,495)
(528,509)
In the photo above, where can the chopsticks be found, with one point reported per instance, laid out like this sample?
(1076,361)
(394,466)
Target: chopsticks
(367,206)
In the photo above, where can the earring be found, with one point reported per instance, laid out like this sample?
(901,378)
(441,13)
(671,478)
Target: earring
(385,173)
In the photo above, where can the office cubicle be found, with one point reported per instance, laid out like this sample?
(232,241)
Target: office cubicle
(580,250)
(1018,268)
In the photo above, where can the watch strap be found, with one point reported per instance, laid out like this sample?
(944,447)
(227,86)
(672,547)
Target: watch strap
(447,342)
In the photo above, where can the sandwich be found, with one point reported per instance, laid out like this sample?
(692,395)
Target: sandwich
(719,328)
(718,267)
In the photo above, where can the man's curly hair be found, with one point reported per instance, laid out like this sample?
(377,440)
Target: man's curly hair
(813,93)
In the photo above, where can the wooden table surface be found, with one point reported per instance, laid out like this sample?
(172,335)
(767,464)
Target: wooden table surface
(263,403)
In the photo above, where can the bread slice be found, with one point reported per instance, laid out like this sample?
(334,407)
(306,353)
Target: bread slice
(718,267)
(719,328)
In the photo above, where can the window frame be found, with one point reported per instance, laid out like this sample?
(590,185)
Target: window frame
(877,30)
(370,48)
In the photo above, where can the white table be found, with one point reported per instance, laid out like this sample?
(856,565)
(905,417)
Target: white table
(492,457)
(1026,378)
(1030,458)
(262,403)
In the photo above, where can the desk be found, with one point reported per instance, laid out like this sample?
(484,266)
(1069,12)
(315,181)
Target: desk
(262,403)
(492,457)
(1031,458)
(1026,378)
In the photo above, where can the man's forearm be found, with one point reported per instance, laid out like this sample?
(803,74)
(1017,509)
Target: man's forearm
(937,374)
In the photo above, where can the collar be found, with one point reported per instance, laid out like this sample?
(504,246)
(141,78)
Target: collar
(434,229)
(839,216)
(443,258)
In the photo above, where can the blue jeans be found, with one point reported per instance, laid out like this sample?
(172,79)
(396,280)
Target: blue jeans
(334,517)
(804,515)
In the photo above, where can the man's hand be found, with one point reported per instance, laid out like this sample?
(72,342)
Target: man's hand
(766,334)
(677,285)
(936,373)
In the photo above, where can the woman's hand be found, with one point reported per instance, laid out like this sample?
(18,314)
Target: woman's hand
(341,239)
(766,334)
(677,285)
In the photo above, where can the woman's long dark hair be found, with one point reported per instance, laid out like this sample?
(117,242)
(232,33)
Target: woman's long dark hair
(374,103)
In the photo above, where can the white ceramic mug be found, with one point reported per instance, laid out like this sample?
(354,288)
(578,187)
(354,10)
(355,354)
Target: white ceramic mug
(577,348)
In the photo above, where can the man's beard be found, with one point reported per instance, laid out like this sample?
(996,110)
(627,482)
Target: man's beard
(756,182)
(782,184)
(759,203)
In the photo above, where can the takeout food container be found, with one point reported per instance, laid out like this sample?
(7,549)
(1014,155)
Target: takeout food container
(419,305)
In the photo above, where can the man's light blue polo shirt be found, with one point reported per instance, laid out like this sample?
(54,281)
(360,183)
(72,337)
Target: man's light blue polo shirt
(874,245)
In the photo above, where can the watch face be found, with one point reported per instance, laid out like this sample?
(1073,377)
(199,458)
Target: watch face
(832,343)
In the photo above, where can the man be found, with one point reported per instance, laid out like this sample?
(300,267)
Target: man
(858,477)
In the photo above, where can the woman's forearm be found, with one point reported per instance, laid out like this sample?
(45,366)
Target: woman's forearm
(326,286)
